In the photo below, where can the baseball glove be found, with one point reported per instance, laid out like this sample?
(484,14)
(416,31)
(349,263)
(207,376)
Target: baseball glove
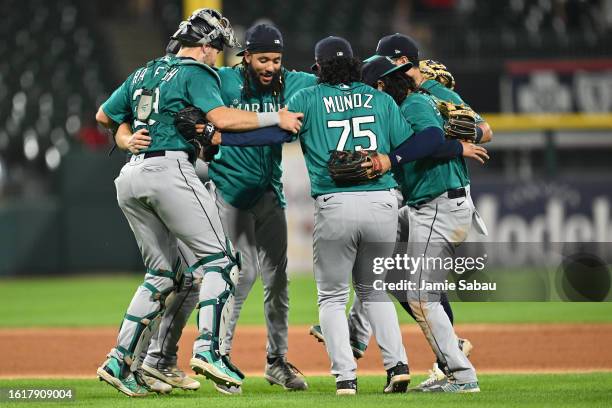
(460,121)
(438,72)
(186,120)
(346,166)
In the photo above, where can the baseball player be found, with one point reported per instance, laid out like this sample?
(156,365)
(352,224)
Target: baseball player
(251,205)
(439,83)
(163,199)
(438,218)
(418,191)
(421,112)
(342,114)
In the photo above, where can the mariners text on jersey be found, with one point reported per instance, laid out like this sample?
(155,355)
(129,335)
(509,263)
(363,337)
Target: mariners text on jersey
(341,103)
(258,107)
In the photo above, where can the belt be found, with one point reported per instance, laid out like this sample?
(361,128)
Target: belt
(452,194)
(148,155)
(457,193)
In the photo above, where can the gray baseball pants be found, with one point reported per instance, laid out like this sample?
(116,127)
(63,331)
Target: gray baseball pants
(163,200)
(346,229)
(260,235)
(435,229)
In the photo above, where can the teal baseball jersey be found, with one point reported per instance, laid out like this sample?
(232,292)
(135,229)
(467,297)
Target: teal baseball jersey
(347,117)
(174,83)
(243,174)
(425,179)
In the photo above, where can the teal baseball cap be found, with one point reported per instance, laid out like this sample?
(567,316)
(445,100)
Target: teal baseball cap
(377,67)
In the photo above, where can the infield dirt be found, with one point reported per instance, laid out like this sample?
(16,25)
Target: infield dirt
(76,352)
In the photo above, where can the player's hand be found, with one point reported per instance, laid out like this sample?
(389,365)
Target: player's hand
(290,121)
(379,165)
(475,152)
(139,141)
(216,139)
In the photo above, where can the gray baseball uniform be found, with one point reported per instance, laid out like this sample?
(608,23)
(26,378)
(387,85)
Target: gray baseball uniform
(163,200)
(344,240)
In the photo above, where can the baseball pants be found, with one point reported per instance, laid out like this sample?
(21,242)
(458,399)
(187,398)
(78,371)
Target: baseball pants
(260,235)
(346,229)
(435,229)
(163,200)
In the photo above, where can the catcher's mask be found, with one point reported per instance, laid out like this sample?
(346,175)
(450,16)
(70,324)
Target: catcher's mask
(206,26)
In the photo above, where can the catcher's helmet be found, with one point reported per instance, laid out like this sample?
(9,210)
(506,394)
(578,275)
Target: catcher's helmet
(206,26)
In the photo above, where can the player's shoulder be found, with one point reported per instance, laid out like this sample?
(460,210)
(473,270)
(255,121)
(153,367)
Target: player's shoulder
(418,98)
(226,73)
(198,69)
(305,78)
(307,92)
(441,92)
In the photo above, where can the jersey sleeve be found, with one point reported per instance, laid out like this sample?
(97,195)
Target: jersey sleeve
(118,106)
(203,90)
(421,113)
(400,130)
(297,103)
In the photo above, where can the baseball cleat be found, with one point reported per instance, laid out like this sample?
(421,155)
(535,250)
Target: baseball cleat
(213,368)
(453,386)
(110,372)
(466,346)
(398,378)
(357,347)
(153,384)
(228,389)
(347,387)
(172,376)
(283,373)
(436,378)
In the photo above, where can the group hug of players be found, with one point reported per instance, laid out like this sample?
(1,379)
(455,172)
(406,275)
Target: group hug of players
(205,244)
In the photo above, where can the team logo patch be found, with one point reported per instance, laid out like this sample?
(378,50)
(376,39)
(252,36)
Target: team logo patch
(339,53)
(276,41)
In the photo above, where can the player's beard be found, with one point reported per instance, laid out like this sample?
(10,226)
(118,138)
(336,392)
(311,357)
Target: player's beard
(264,88)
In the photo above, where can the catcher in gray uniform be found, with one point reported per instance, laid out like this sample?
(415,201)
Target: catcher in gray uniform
(251,207)
(163,199)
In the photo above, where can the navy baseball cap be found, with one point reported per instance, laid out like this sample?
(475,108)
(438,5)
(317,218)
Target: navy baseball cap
(398,45)
(378,67)
(332,47)
(263,38)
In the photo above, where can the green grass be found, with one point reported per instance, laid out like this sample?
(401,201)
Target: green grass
(102,301)
(558,390)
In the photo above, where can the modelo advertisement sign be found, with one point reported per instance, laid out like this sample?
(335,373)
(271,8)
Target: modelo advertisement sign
(541,211)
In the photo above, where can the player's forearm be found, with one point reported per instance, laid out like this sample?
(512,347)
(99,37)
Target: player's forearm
(422,144)
(485,130)
(259,137)
(448,150)
(123,135)
(236,120)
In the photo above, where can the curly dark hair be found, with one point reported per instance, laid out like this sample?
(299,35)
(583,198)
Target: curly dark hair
(276,87)
(339,70)
(398,85)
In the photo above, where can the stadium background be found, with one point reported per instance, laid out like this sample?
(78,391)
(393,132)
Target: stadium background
(540,72)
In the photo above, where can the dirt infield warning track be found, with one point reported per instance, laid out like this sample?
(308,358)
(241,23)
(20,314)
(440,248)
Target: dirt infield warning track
(77,352)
